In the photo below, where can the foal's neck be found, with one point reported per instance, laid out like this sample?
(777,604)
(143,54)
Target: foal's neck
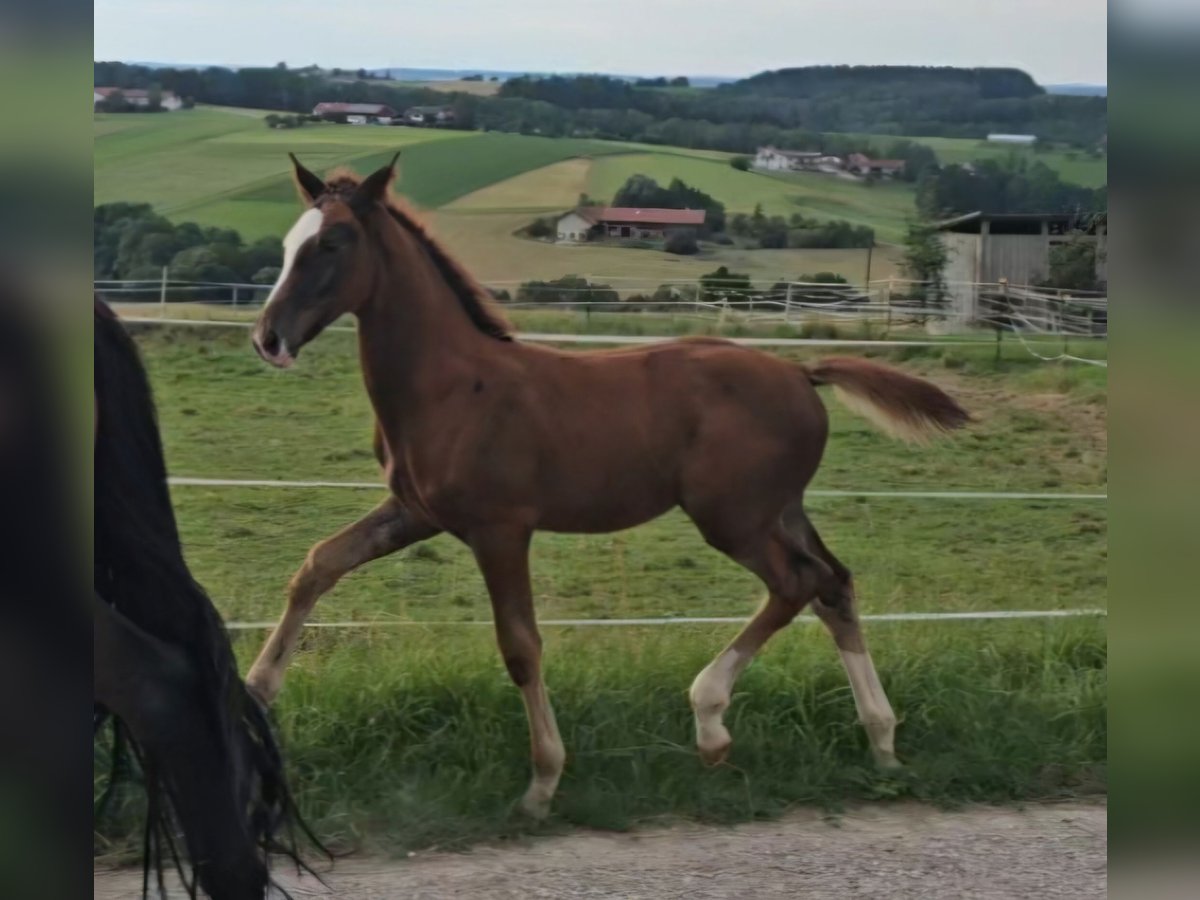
(415,338)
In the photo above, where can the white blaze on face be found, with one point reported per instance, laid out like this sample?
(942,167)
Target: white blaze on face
(306,226)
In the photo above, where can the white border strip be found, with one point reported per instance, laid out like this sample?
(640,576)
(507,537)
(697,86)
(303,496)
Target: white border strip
(980,615)
(183,481)
(548,338)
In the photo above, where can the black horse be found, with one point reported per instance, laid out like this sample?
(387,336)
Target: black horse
(164,670)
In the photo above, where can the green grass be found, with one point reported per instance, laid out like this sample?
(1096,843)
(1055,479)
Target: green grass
(883,207)
(408,737)
(400,741)
(1074,166)
(225,168)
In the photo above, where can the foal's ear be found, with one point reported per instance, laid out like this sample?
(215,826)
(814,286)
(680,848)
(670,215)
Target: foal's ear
(311,187)
(374,187)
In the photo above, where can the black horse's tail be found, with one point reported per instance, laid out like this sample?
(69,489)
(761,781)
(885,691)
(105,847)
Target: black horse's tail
(140,570)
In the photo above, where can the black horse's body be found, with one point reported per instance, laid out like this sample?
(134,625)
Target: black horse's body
(163,665)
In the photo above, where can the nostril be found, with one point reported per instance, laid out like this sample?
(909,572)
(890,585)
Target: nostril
(270,343)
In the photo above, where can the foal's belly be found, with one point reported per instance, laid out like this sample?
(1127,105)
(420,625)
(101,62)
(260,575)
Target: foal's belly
(611,509)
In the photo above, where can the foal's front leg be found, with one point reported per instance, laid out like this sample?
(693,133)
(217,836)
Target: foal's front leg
(503,557)
(387,528)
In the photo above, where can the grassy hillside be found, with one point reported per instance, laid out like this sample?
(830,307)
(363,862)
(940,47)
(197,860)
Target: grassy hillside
(224,167)
(1073,165)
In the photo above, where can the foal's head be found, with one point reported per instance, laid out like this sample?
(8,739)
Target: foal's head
(327,270)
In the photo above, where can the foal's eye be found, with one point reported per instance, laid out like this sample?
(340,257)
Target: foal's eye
(334,239)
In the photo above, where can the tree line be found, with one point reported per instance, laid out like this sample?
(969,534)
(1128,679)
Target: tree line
(798,109)
(132,242)
(925,101)
(1011,185)
(719,284)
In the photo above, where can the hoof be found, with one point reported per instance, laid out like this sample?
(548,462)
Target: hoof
(715,752)
(535,806)
(262,689)
(888,762)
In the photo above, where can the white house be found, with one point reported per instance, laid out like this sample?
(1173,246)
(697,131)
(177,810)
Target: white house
(775,160)
(136,97)
(574,227)
(1024,140)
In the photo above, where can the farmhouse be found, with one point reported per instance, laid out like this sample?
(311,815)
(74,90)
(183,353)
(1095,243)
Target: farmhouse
(987,248)
(860,164)
(775,160)
(586,222)
(355,113)
(139,97)
(1024,140)
(429,115)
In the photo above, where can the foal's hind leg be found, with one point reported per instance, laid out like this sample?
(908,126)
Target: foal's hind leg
(387,528)
(792,576)
(838,610)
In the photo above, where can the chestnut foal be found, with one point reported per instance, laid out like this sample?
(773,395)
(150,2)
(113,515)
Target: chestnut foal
(490,439)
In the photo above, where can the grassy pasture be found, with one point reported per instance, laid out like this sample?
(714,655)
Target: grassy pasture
(884,207)
(406,737)
(484,242)
(223,167)
(1074,166)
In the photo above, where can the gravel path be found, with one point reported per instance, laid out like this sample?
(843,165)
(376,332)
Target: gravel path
(899,851)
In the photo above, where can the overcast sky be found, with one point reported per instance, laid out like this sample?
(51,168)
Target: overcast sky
(1054,40)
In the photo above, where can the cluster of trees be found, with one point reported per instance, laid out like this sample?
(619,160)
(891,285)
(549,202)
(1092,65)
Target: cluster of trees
(131,241)
(680,81)
(568,289)
(642,190)
(775,232)
(1004,186)
(1073,267)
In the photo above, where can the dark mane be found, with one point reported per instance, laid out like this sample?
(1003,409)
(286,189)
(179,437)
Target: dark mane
(139,569)
(477,302)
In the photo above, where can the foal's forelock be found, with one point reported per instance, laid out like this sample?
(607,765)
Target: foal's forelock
(305,228)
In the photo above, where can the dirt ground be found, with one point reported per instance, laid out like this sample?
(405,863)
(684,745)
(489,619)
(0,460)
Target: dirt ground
(900,851)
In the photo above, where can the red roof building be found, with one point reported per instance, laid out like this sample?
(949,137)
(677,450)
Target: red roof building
(585,222)
(864,165)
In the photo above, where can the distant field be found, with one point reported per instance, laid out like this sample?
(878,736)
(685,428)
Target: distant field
(883,207)
(1074,166)
(182,162)
(484,242)
(224,167)
(478,88)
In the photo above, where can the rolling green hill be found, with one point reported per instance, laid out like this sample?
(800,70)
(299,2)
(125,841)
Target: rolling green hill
(223,167)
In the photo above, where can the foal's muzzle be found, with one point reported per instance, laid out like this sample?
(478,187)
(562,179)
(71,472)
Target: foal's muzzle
(272,348)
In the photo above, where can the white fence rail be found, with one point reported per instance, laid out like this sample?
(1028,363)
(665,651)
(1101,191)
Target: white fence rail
(885,303)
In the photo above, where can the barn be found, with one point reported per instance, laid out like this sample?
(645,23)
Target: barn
(988,248)
(355,113)
(587,222)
